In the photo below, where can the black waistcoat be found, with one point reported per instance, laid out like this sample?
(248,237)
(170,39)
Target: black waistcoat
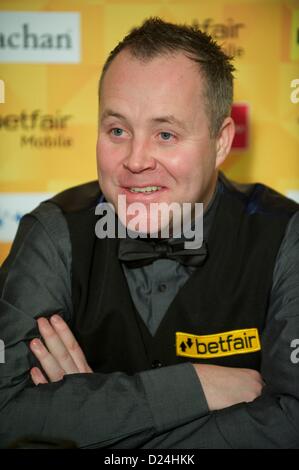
(229,292)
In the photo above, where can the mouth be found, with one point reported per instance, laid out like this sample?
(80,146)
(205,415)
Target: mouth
(148,193)
(144,189)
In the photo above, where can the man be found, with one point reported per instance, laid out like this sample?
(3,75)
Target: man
(187,350)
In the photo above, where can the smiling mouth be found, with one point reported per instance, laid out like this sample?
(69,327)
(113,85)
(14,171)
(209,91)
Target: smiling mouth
(145,189)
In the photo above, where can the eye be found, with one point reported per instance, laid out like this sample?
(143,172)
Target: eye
(166,135)
(117,132)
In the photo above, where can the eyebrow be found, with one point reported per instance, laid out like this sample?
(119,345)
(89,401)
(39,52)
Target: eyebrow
(168,119)
(110,113)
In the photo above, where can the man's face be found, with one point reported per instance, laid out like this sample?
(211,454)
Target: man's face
(154,132)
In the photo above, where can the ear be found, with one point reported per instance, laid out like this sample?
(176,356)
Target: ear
(224,140)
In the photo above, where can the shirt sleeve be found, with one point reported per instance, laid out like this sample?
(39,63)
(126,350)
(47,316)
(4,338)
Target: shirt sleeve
(272,420)
(92,410)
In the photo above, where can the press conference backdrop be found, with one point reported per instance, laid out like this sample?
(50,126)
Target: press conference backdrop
(51,54)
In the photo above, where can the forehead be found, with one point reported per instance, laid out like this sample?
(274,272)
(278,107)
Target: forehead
(161,73)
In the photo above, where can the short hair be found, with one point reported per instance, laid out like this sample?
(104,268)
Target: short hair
(156,37)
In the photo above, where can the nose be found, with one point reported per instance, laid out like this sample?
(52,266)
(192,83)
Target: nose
(139,157)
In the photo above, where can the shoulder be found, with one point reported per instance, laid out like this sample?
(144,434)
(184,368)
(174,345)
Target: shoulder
(52,215)
(293,228)
(257,198)
(41,251)
(78,198)
(287,261)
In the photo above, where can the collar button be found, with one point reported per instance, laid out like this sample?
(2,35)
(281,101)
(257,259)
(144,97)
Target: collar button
(162,287)
(156,364)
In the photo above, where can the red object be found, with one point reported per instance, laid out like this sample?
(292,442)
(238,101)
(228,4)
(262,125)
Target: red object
(240,114)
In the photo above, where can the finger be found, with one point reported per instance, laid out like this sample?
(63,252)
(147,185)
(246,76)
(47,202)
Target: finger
(56,347)
(37,376)
(47,361)
(70,343)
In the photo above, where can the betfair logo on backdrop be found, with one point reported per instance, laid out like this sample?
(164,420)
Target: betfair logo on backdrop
(39,129)
(228,343)
(44,37)
(227,31)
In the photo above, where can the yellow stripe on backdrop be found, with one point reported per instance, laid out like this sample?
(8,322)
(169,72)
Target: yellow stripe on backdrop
(48,120)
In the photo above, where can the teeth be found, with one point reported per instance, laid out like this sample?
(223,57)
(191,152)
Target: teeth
(147,189)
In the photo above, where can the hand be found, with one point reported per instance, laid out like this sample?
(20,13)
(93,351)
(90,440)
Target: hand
(62,355)
(227,386)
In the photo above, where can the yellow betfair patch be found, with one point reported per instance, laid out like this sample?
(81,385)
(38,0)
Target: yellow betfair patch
(228,343)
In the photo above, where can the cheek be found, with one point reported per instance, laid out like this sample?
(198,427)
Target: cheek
(193,168)
(107,157)
(187,164)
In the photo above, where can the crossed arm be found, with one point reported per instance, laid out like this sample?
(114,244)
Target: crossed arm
(60,354)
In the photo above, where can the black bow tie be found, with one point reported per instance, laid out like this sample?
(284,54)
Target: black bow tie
(136,253)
